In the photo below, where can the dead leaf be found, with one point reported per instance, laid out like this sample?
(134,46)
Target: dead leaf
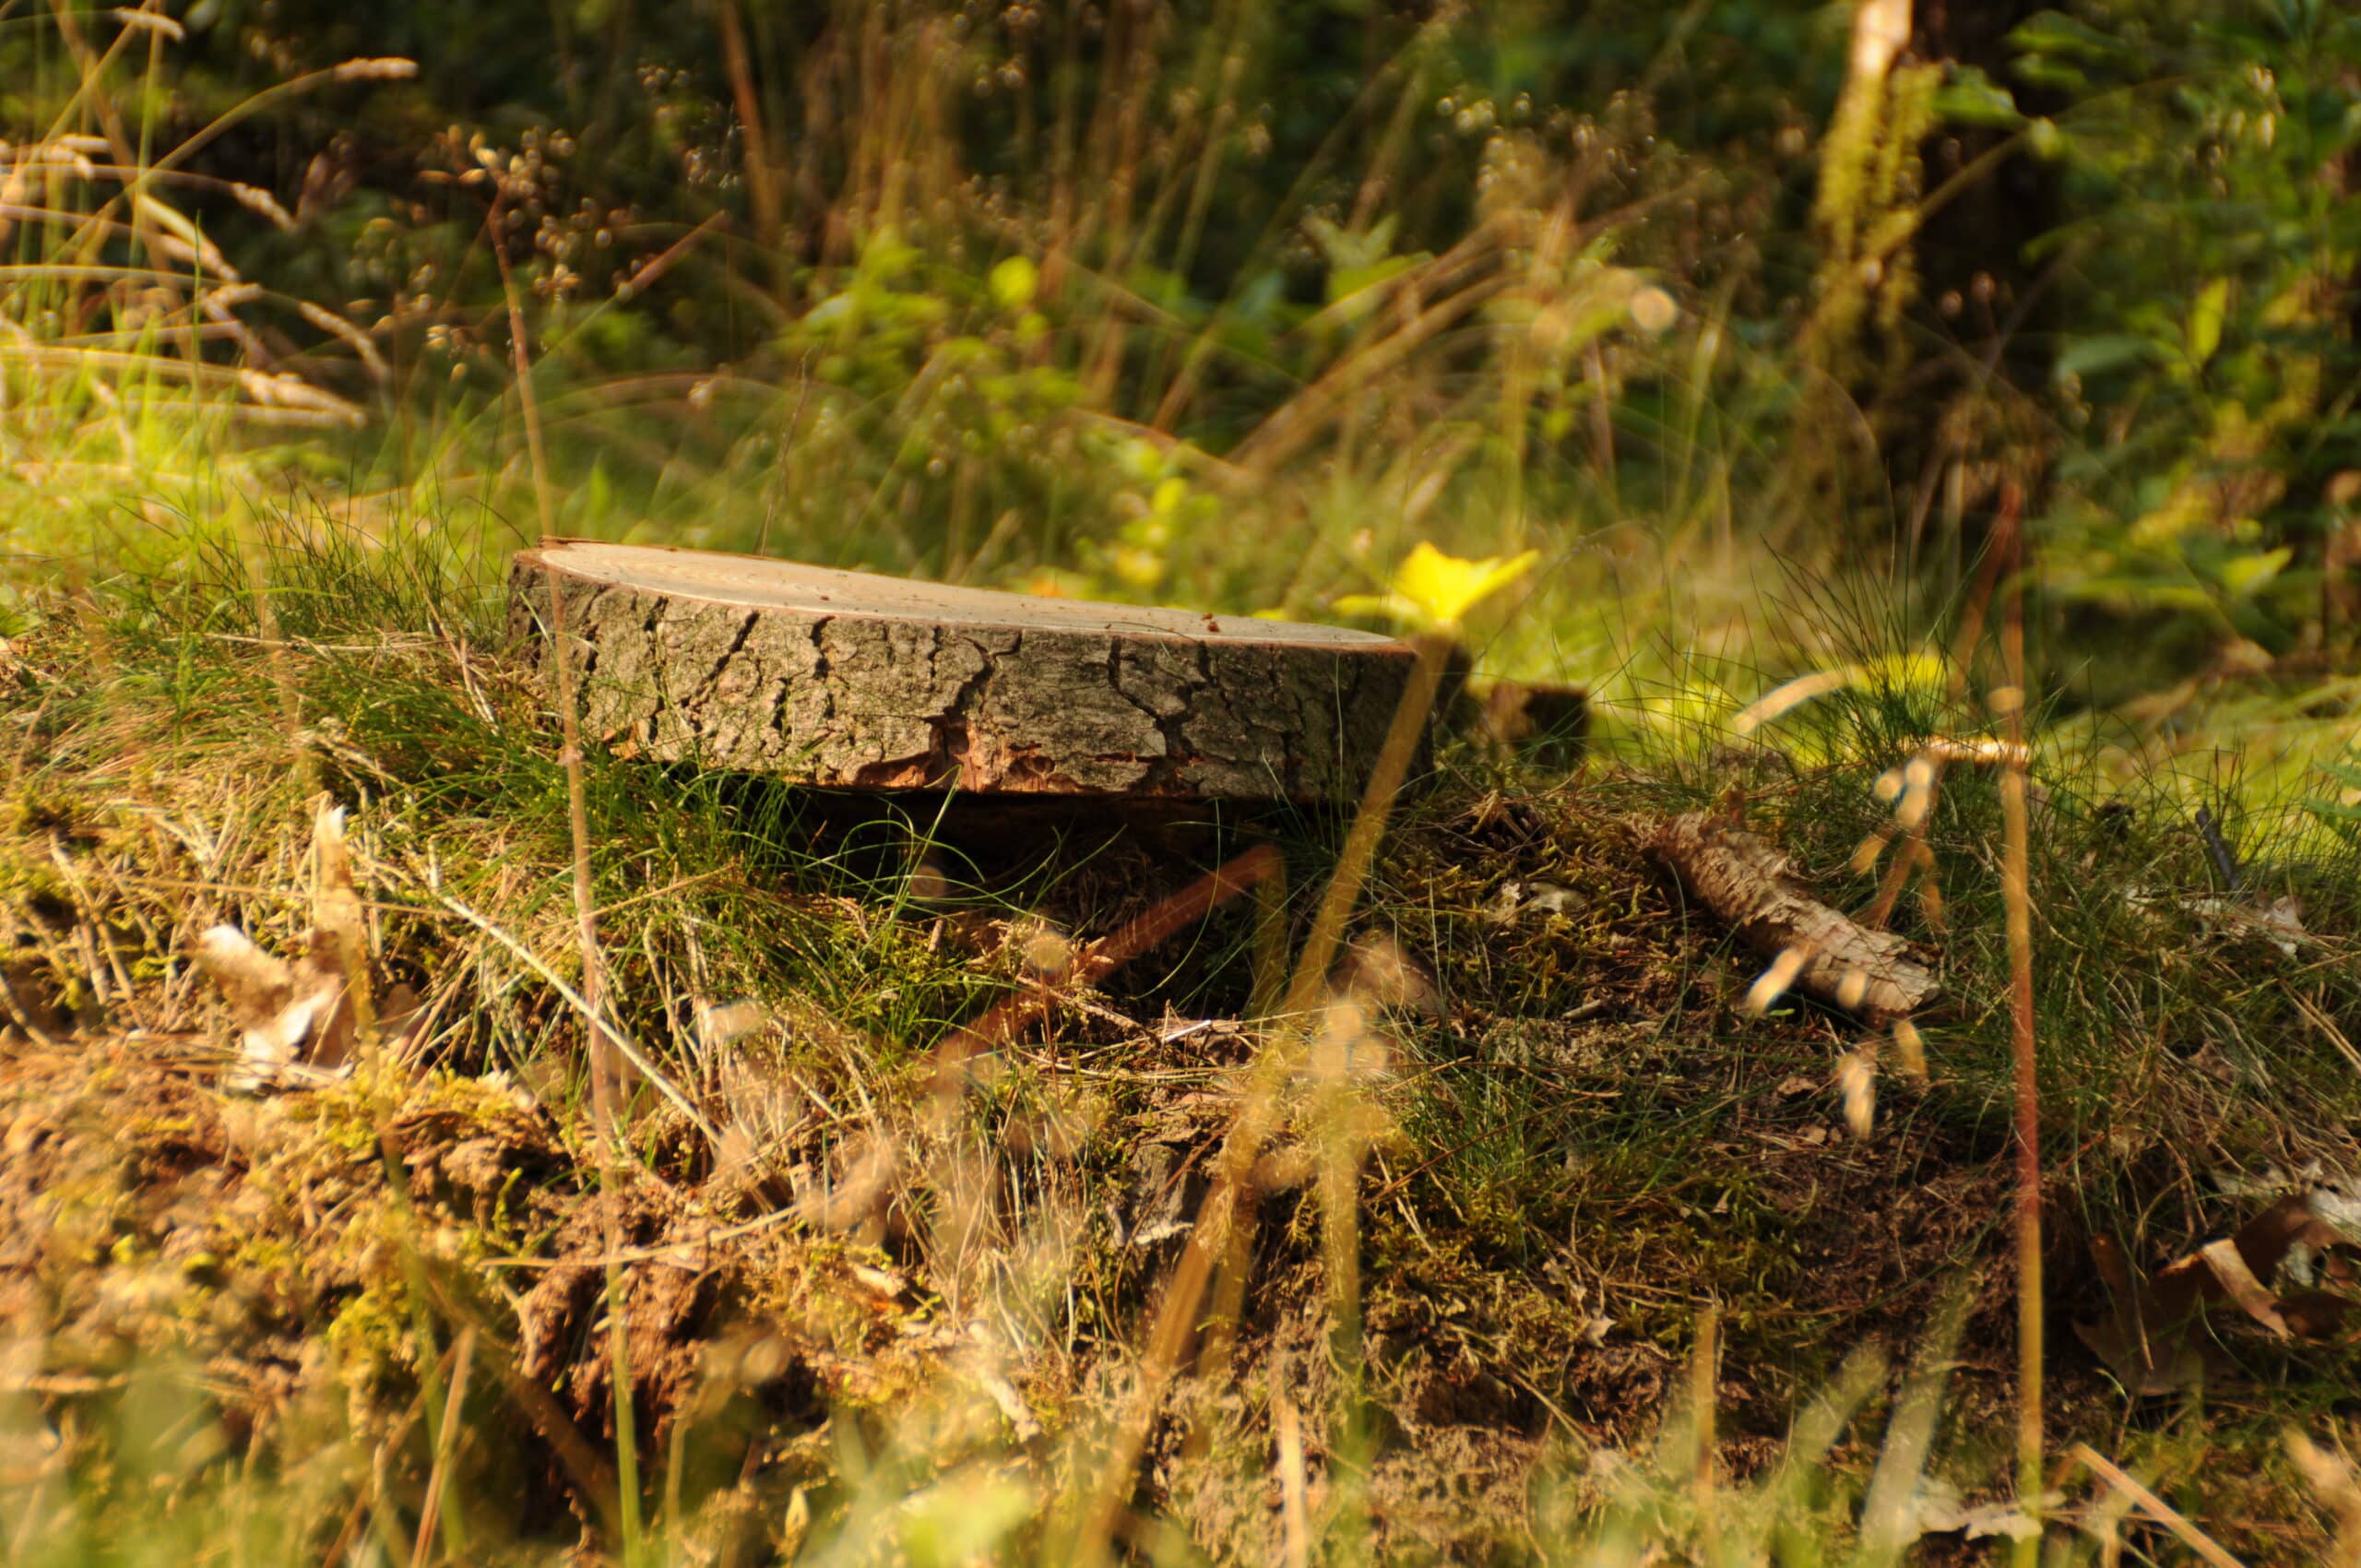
(1550,898)
(2280,922)
(723,1023)
(335,903)
(2152,1342)
(1501,909)
(2291,1231)
(1940,1510)
(2235,1279)
(296,1020)
(2314,1314)
(2146,1344)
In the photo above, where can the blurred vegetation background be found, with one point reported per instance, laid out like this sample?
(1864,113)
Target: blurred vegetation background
(1742,312)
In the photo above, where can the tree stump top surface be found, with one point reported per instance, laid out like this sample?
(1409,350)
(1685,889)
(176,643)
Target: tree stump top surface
(757,582)
(847,680)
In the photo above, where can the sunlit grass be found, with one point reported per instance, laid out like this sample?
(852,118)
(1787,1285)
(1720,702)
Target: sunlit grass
(729,901)
(1014,395)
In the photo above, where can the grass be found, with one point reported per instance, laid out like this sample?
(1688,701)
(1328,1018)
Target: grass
(1512,1235)
(1574,1139)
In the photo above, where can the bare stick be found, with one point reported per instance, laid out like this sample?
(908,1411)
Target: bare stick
(2016,887)
(1343,889)
(1143,931)
(577,809)
(2155,1507)
(762,183)
(1813,947)
(446,1440)
(577,806)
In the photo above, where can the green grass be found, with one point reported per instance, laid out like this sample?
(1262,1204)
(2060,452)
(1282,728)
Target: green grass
(1578,1140)
(868,1316)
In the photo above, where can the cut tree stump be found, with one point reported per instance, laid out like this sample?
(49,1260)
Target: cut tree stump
(849,680)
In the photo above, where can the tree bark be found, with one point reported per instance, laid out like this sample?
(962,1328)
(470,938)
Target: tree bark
(1750,884)
(846,679)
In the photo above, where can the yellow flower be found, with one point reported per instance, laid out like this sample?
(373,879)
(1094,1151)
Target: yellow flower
(1433,591)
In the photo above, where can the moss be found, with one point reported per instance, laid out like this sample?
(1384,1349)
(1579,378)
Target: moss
(373,1337)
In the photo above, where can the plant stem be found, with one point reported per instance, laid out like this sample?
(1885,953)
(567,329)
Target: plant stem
(602,1066)
(2017,891)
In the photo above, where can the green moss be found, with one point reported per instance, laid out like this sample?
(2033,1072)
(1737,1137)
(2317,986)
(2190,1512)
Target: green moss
(374,1336)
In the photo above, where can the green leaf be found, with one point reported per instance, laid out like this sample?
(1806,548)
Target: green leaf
(2244,575)
(1346,282)
(1971,97)
(2056,75)
(2133,592)
(960,1519)
(2341,817)
(2053,34)
(2106,351)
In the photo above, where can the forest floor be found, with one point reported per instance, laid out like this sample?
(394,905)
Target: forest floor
(1534,1186)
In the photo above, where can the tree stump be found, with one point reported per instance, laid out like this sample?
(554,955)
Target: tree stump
(850,680)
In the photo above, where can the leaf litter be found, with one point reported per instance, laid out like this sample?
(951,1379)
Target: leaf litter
(2292,1270)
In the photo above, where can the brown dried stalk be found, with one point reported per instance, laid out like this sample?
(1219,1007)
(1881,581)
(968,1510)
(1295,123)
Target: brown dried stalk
(603,1064)
(2016,889)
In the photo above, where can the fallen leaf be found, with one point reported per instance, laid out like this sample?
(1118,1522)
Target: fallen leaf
(2152,1344)
(721,1023)
(2230,1273)
(2290,1231)
(2147,1347)
(1550,899)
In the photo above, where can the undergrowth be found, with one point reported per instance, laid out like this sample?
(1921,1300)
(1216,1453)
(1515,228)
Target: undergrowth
(894,1316)
(915,1234)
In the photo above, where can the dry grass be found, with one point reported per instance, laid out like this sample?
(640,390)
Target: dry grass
(1006,1211)
(920,1301)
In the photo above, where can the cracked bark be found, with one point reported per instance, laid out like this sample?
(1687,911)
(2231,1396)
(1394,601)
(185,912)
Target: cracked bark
(841,679)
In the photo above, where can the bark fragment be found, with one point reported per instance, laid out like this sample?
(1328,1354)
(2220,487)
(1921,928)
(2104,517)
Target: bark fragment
(1751,886)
